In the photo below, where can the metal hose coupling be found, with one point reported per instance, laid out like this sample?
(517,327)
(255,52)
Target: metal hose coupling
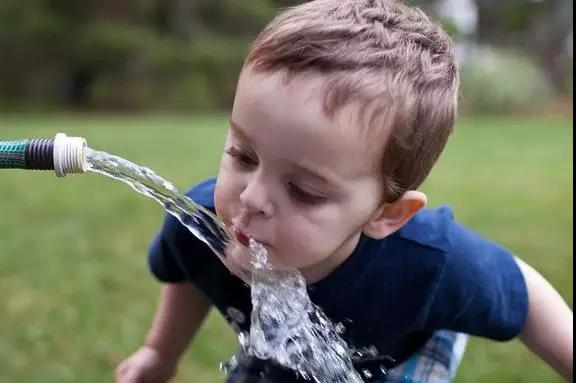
(63,154)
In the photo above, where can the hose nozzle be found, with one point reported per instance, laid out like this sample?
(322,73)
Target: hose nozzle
(68,155)
(63,154)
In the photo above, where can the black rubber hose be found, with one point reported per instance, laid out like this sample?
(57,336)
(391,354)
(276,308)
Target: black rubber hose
(27,154)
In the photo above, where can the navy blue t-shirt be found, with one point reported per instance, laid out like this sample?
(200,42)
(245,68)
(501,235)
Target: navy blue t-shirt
(393,293)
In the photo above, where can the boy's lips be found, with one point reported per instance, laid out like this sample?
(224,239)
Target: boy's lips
(241,237)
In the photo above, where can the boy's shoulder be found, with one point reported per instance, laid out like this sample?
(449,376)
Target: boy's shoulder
(437,230)
(430,227)
(203,193)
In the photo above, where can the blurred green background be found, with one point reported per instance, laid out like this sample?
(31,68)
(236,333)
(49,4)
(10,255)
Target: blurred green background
(185,54)
(152,81)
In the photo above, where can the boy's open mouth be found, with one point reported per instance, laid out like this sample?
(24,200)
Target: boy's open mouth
(241,237)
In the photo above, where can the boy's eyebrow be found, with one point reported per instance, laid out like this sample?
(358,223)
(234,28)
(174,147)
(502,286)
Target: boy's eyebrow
(322,178)
(238,129)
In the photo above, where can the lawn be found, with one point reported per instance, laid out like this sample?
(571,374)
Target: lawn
(76,293)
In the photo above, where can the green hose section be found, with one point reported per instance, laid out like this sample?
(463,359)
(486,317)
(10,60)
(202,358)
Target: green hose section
(12,154)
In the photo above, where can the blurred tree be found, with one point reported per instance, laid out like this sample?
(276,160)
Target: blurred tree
(541,28)
(179,18)
(186,53)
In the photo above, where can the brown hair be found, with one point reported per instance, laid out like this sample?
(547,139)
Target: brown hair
(388,58)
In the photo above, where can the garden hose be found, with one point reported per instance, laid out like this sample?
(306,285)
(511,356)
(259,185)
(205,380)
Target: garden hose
(63,154)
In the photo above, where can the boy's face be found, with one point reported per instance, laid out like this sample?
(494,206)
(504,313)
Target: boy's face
(298,182)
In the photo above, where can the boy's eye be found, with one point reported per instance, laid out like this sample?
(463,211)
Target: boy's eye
(303,196)
(241,157)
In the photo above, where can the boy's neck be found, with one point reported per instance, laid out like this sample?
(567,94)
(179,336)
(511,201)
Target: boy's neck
(319,271)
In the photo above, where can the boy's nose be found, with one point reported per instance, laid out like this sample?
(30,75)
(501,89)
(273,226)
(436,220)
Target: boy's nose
(255,199)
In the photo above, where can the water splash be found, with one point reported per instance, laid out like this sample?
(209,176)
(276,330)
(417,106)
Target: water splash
(288,328)
(285,325)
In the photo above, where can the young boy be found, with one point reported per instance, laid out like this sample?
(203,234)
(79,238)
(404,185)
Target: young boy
(341,110)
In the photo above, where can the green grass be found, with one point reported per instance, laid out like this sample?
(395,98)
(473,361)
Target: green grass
(76,293)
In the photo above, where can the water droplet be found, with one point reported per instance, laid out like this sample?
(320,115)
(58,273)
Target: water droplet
(367,373)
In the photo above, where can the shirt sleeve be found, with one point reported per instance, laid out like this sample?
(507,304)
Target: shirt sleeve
(176,255)
(480,291)
(162,257)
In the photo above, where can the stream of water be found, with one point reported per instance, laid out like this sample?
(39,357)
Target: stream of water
(285,325)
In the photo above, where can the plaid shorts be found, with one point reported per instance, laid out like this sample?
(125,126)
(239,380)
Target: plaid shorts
(436,362)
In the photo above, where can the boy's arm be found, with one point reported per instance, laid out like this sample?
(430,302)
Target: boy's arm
(548,330)
(180,313)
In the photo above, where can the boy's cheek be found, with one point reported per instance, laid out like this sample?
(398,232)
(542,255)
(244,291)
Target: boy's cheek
(219,200)
(226,195)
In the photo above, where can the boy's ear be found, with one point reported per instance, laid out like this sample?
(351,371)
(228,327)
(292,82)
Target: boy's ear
(392,216)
